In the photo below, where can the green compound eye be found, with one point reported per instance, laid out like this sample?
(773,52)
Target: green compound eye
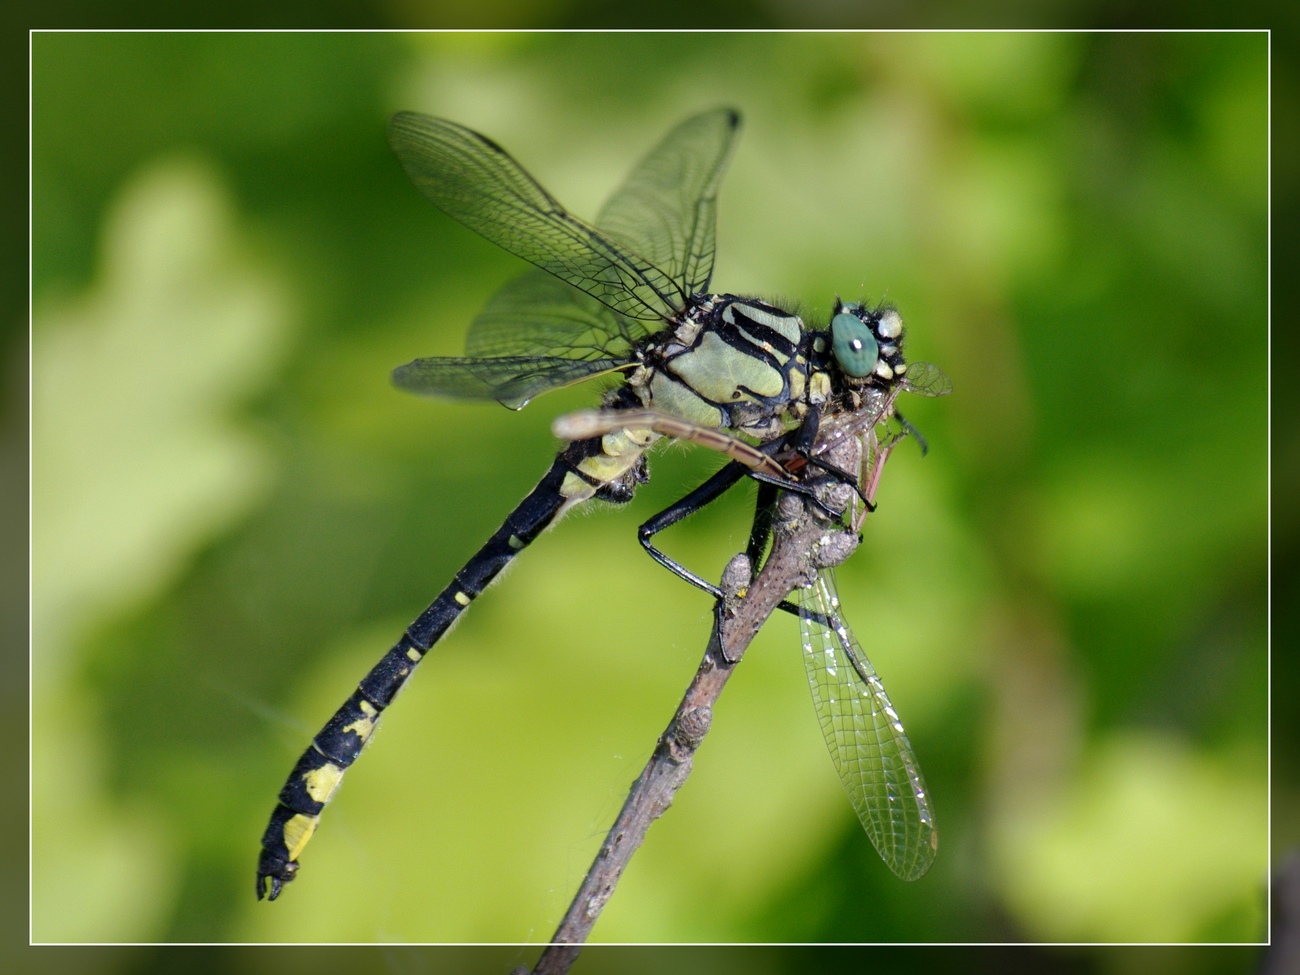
(855,348)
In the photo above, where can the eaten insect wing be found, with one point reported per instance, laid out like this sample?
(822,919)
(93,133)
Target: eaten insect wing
(863,732)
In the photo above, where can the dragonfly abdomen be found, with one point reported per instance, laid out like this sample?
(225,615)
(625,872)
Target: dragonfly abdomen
(609,467)
(319,771)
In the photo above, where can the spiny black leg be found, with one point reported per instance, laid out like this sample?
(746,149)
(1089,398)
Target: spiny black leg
(761,531)
(844,477)
(802,440)
(710,490)
(801,489)
(769,486)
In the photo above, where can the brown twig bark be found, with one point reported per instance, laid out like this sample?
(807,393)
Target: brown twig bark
(738,618)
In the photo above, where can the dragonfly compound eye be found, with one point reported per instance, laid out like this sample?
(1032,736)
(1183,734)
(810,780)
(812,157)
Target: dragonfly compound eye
(855,348)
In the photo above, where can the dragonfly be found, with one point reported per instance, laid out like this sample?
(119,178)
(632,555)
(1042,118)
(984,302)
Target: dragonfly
(627,297)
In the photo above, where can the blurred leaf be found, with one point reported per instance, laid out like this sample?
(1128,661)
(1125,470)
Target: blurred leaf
(168,469)
(1113,860)
(134,467)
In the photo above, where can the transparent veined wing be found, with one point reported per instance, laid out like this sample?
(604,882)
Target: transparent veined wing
(666,210)
(926,379)
(867,742)
(536,334)
(473,180)
(510,380)
(538,315)
(582,303)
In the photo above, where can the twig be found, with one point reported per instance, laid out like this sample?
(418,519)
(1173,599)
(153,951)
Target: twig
(738,618)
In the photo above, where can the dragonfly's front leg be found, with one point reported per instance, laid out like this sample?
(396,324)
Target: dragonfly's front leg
(759,462)
(802,442)
(706,493)
(769,489)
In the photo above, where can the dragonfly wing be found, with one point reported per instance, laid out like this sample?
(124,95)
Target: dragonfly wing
(510,380)
(866,740)
(927,379)
(666,210)
(473,180)
(539,315)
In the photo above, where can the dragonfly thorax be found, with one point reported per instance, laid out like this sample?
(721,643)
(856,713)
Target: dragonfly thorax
(750,366)
(731,362)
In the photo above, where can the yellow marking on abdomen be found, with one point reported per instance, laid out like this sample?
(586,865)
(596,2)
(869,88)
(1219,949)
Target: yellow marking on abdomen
(575,488)
(364,727)
(604,468)
(297,831)
(463,599)
(320,783)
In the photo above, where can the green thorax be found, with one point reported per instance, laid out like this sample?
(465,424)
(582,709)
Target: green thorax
(731,362)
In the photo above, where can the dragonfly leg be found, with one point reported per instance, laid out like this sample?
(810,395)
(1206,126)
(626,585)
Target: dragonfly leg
(802,441)
(710,490)
(844,477)
(761,531)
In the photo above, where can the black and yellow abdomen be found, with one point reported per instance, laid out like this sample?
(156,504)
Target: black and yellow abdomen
(603,466)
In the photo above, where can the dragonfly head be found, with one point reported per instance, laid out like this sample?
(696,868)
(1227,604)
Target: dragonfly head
(867,344)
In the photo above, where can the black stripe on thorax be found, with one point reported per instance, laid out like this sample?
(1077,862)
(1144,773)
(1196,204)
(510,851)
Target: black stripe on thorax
(732,336)
(759,330)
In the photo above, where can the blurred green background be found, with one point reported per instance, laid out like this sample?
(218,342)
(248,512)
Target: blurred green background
(235,514)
